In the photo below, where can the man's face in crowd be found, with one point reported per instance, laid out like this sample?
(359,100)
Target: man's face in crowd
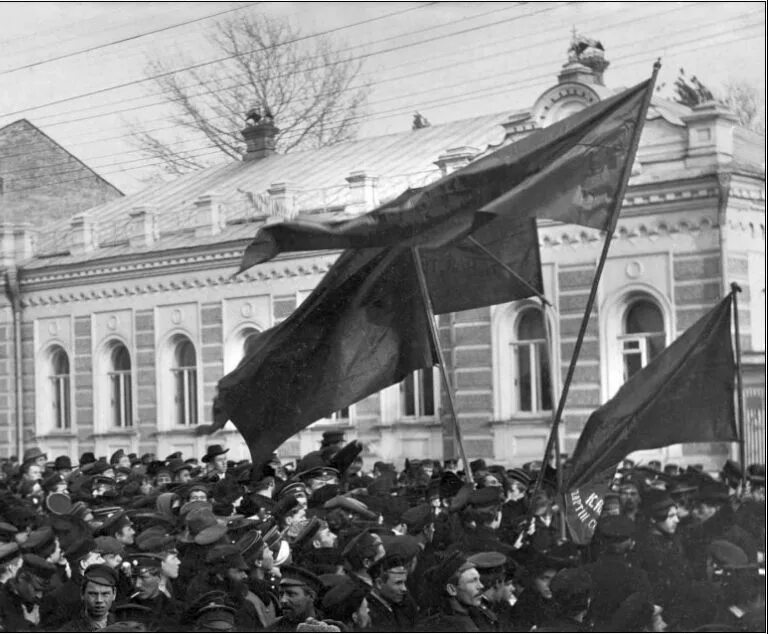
(703,511)
(113,560)
(220,463)
(170,566)
(496,590)
(65,472)
(183,476)
(33,472)
(90,559)
(30,588)
(629,497)
(325,538)
(393,587)
(126,534)
(98,599)
(469,588)
(516,491)
(163,479)
(148,584)
(669,524)
(296,603)
(542,581)
(428,469)
(198,496)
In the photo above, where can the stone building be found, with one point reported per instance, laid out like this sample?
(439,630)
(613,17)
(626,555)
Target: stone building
(129,313)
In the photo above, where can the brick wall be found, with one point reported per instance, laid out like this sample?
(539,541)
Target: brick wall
(7,398)
(211,316)
(83,383)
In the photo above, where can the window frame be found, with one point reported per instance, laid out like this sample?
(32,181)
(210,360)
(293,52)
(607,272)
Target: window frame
(187,402)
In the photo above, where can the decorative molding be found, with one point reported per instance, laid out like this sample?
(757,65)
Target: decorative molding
(639,200)
(43,299)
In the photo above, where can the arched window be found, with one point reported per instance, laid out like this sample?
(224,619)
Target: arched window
(418,396)
(250,337)
(60,388)
(184,373)
(120,394)
(643,335)
(532,385)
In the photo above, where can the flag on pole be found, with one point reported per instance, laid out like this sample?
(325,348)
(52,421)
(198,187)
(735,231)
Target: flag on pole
(569,171)
(362,329)
(683,395)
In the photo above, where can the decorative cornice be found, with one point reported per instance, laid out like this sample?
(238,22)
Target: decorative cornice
(747,193)
(640,200)
(253,275)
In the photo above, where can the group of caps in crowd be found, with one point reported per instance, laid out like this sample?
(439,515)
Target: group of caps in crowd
(141,544)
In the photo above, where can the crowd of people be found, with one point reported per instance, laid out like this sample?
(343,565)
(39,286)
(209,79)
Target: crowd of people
(137,543)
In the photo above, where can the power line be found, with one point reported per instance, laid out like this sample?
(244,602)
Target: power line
(427,71)
(514,73)
(396,112)
(124,40)
(214,61)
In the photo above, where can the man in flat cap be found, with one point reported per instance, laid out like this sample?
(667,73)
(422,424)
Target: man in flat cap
(20,597)
(348,602)
(457,597)
(391,606)
(298,592)
(97,595)
(118,525)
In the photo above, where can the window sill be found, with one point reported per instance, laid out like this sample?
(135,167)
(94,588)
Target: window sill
(524,419)
(409,422)
(176,431)
(57,435)
(116,432)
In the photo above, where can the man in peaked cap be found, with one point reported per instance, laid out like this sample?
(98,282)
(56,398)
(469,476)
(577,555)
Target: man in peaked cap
(146,574)
(214,615)
(118,525)
(299,589)
(347,603)
(391,605)
(98,593)
(332,442)
(20,598)
(497,610)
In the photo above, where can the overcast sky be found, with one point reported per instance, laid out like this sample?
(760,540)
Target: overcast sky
(446,60)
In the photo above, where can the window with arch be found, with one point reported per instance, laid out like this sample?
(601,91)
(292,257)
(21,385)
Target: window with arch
(120,390)
(642,335)
(530,362)
(184,371)
(59,382)
(418,395)
(250,337)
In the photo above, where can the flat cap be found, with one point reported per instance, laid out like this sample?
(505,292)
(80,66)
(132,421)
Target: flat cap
(9,552)
(453,565)
(403,547)
(519,475)
(418,517)
(297,576)
(79,549)
(38,566)
(114,522)
(485,497)
(569,585)
(102,574)
(333,436)
(616,527)
(488,562)
(351,505)
(107,545)
(727,554)
(712,493)
(343,600)
(226,555)
(38,540)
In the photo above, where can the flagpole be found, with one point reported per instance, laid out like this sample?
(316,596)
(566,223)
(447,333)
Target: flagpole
(509,270)
(598,274)
(441,359)
(735,290)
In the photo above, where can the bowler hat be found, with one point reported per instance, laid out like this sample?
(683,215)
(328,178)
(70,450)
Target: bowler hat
(87,458)
(62,462)
(213,451)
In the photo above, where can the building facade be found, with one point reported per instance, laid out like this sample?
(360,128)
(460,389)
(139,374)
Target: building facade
(127,315)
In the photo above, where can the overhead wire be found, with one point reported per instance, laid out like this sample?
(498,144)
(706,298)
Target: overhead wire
(470,96)
(528,81)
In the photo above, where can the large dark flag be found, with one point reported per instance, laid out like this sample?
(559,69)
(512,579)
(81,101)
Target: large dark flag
(683,395)
(570,171)
(364,327)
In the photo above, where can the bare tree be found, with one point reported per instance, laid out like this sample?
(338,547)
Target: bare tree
(306,83)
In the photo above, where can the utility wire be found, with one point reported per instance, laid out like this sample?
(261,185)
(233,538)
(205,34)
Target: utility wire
(463,98)
(124,40)
(493,75)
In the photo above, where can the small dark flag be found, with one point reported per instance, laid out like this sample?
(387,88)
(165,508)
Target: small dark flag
(686,394)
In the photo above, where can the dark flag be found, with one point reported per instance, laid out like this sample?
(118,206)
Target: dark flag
(362,329)
(569,171)
(683,395)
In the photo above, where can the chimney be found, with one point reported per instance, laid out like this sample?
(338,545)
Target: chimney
(82,235)
(17,243)
(456,158)
(259,138)
(710,134)
(208,216)
(282,200)
(142,226)
(362,192)
(7,245)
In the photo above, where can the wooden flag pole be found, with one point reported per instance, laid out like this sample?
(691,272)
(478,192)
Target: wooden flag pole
(735,290)
(598,274)
(441,359)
